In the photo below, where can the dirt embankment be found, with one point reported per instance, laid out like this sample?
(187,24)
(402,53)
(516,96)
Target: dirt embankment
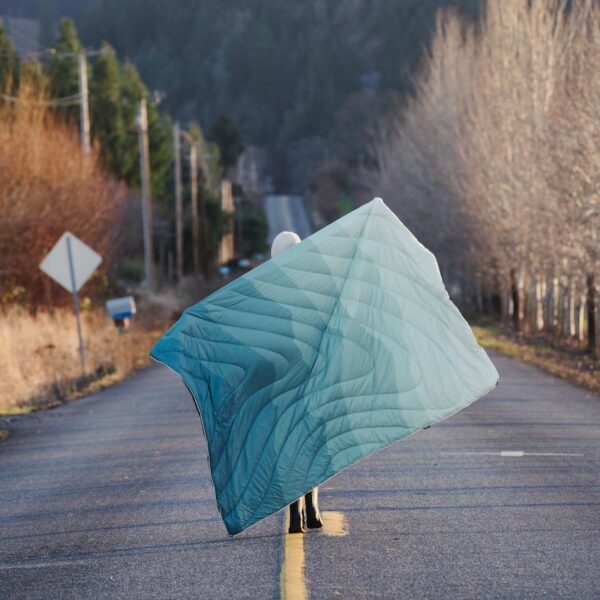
(564,358)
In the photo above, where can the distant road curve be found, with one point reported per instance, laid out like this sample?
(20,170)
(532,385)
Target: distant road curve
(287,213)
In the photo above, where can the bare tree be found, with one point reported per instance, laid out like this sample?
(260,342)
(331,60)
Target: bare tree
(495,162)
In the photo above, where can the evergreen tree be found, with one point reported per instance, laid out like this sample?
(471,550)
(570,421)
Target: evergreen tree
(161,152)
(132,90)
(210,157)
(9,64)
(226,135)
(64,70)
(159,136)
(281,71)
(32,72)
(105,109)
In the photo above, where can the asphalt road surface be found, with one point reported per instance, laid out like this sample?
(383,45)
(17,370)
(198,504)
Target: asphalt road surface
(110,497)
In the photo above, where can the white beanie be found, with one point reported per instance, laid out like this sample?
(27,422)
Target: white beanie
(283,241)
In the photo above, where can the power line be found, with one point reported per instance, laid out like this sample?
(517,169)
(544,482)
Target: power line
(53,53)
(24,37)
(52,102)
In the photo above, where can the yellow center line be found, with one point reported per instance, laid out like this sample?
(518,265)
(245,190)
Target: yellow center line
(292,583)
(334,524)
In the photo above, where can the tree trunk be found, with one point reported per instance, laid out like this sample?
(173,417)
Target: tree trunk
(551,303)
(514,292)
(572,313)
(496,302)
(539,308)
(564,310)
(542,304)
(591,314)
(548,321)
(581,318)
(479,292)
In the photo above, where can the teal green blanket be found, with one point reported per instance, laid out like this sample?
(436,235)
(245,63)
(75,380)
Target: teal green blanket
(334,349)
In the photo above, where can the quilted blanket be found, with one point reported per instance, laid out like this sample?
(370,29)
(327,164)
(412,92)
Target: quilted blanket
(333,350)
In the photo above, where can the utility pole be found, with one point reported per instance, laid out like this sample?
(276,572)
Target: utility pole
(84,108)
(203,224)
(226,243)
(178,202)
(142,125)
(194,201)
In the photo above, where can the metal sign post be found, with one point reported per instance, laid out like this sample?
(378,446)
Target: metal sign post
(71,263)
(76,306)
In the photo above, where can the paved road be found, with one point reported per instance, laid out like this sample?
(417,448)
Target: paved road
(110,497)
(286,213)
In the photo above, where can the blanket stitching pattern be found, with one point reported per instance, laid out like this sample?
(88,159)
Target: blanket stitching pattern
(244,494)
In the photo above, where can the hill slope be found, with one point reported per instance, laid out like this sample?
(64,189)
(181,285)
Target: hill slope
(294,76)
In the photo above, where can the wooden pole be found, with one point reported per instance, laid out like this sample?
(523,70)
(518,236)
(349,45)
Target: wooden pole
(84,108)
(142,123)
(178,202)
(194,203)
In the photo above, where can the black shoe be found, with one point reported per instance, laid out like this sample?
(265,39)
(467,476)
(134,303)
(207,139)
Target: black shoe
(296,529)
(297,519)
(314,521)
(313,515)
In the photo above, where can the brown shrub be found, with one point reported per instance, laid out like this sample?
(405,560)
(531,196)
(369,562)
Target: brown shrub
(47,186)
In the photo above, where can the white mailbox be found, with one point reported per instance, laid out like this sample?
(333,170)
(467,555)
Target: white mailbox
(121,310)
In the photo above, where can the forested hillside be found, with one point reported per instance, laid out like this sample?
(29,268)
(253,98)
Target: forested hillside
(302,79)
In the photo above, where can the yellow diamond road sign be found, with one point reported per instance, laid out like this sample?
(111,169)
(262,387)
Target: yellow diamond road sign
(57,263)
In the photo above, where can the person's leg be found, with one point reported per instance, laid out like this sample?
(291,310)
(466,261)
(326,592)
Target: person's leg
(313,515)
(297,517)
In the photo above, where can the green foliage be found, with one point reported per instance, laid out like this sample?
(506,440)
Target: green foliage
(252,225)
(115,93)
(129,270)
(227,137)
(281,71)
(161,152)
(106,116)
(345,204)
(63,71)
(209,156)
(33,72)
(219,223)
(132,90)
(9,64)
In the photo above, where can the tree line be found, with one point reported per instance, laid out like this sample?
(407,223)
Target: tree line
(115,90)
(495,163)
(43,92)
(300,79)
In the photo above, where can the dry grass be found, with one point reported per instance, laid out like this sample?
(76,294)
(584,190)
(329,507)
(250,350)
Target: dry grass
(568,362)
(39,357)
